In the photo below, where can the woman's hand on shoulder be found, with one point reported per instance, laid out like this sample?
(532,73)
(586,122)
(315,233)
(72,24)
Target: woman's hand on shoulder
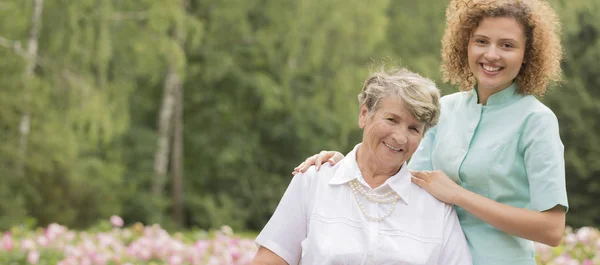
(332,157)
(437,184)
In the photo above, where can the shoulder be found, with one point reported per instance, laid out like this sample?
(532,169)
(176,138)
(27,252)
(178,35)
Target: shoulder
(536,113)
(455,97)
(431,212)
(452,103)
(429,203)
(312,177)
(535,106)
(455,100)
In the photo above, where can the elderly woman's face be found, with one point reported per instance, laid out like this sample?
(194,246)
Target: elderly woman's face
(392,134)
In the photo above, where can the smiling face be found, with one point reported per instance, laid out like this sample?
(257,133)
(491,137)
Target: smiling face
(390,135)
(495,53)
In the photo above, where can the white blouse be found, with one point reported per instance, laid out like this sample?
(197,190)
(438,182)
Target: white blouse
(318,221)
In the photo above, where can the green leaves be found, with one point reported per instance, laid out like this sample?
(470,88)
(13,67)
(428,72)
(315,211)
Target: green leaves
(266,83)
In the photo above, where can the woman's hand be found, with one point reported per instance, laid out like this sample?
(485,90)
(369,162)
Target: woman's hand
(324,156)
(437,184)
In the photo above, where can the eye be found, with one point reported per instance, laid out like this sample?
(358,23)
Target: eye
(480,41)
(414,129)
(390,120)
(507,45)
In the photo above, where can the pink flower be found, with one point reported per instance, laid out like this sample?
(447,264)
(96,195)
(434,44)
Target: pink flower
(85,261)
(42,241)
(53,231)
(104,239)
(99,258)
(587,262)
(202,245)
(68,261)
(72,251)
(7,242)
(116,221)
(561,260)
(175,260)
(88,246)
(583,234)
(145,254)
(235,253)
(33,257)
(571,239)
(27,244)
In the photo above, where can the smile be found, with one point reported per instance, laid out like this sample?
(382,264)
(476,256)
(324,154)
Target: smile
(490,68)
(393,148)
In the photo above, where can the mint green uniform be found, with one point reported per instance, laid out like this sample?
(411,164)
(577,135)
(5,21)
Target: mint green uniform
(509,151)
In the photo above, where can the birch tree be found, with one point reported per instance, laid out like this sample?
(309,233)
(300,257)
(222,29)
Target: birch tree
(172,86)
(31,57)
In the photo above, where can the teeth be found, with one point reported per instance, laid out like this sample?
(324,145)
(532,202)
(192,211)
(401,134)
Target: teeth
(491,69)
(391,147)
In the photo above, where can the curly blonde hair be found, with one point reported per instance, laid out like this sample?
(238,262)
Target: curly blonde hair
(543,50)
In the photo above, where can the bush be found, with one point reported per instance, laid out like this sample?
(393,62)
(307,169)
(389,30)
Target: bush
(108,243)
(138,244)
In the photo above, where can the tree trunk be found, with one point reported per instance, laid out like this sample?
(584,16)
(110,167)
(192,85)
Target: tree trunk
(165,116)
(177,168)
(32,50)
(177,159)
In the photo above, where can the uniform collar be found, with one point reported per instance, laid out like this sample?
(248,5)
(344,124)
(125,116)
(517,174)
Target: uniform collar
(502,97)
(400,182)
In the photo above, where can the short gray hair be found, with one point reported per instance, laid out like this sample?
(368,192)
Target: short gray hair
(420,94)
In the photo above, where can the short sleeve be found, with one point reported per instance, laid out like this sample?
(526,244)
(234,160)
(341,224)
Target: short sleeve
(421,159)
(287,228)
(544,161)
(455,250)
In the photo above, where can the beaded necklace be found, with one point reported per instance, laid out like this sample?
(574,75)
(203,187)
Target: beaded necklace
(387,198)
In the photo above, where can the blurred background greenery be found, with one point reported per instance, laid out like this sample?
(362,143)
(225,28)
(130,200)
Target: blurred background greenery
(194,113)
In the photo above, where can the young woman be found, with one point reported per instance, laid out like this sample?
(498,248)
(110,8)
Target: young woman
(496,152)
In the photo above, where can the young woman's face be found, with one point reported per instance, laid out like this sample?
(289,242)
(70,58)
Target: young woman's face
(495,53)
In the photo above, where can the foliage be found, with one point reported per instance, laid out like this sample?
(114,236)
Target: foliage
(578,247)
(576,103)
(266,83)
(108,243)
(114,245)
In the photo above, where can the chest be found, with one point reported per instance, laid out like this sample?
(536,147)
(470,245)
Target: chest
(480,148)
(339,233)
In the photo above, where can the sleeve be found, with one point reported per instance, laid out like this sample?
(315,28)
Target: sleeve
(543,154)
(455,250)
(287,228)
(421,159)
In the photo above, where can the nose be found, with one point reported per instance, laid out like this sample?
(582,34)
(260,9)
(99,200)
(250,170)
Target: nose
(492,53)
(401,136)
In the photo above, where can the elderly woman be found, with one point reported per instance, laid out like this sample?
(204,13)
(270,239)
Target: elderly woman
(368,210)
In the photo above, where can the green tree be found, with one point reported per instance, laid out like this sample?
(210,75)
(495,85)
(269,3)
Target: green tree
(576,103)
(275,81)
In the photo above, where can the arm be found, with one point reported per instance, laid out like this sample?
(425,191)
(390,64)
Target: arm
(455,250)
(281,238)
(544,163)
(545,227)
(266,257)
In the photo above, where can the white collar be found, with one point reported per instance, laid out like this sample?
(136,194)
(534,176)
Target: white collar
(349,170)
